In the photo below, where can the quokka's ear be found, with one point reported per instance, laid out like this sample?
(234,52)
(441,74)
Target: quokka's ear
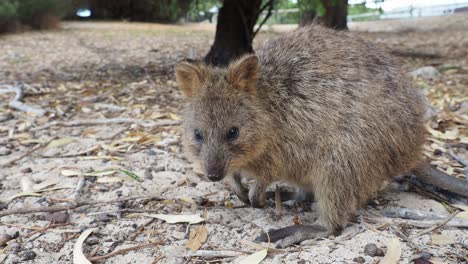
(243,73)
(190,76)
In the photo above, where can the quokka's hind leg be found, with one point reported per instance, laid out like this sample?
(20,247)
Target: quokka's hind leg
(338,199)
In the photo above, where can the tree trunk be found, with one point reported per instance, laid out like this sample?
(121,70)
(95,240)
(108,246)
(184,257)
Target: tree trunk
(336,13)
(307,18)
(234,31)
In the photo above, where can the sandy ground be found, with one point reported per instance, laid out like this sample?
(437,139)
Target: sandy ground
(95,71)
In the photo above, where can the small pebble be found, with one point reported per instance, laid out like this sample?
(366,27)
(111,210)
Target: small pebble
(148,174)
(14,247)
(370,249)
(4,151)
(178,235)
(421,261)
(151,152)
(26,170)
(426,255)
(5,117)
(104,217)
(58,217)
(159,168)
(3,205)
(4,238)
(91,241)
(359,259)
(28,255)
(379,252)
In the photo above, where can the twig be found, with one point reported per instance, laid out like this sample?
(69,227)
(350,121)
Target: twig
(124,250)
(73,206)
(29,152)
(460,160)
(457,222)
(405,238)
(216,254)
(80,122)
(410,214)
(436,226)
(79,188)
(16,102)
(157,259)
(270,11)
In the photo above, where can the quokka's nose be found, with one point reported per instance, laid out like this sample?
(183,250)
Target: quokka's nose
(215,173)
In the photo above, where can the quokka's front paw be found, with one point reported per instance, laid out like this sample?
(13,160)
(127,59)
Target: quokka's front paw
(257,196)
(239,189)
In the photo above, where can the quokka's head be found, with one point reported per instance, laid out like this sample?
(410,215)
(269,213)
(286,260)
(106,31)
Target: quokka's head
(224,124)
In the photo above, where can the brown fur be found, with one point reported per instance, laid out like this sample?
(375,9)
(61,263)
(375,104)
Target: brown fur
(323,110)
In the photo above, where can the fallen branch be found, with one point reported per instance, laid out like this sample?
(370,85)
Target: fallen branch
(430,229)
(123,251)
(457,222)
(79,122)
(442,180)
(16,102)
(405,213)
(52,209)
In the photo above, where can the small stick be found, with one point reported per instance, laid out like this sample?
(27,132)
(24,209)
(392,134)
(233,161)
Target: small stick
(81,122)
(406,213)
(73,206)
(29,152)
(459,159)
(124,250)
(16,102)
(79,188)
(157,259)
(405,238)
(436,226)
(216,254)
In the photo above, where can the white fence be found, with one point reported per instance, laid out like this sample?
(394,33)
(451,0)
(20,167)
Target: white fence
(410,11)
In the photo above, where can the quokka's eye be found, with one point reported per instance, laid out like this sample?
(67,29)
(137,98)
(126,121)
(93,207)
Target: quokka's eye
(232,134)
(197,135)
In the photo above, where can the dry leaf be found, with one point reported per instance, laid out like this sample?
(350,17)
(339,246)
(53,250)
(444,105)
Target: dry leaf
(70,173)
(450,134)
(101,173)
(442,240)
(255,258)
(78,256)
(173,219)
(60,142)
(23,194)
(462,207)
(393,252)
(107,179)
(197,237)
